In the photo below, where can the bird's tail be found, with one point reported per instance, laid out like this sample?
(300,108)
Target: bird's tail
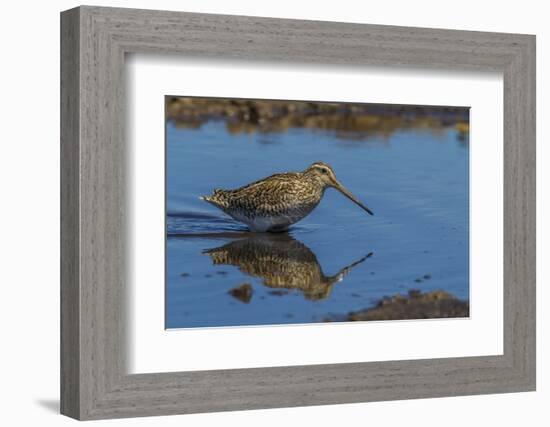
(217,198)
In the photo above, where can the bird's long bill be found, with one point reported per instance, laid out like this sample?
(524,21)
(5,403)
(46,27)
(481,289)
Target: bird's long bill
(350,196)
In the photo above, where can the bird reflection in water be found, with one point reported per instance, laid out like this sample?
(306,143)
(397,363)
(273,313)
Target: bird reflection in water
(281,262)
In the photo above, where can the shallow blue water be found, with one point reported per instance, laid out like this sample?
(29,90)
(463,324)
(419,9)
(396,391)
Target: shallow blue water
(416,182)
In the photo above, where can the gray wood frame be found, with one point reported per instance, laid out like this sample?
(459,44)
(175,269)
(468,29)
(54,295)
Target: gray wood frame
(94,41)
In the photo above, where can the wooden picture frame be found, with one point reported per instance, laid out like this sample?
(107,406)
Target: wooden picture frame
(94,41)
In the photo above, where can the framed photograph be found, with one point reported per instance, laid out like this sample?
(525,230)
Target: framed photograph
(272,249)
(262,213)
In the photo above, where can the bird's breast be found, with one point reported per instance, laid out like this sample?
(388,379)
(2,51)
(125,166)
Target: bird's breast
(278,219)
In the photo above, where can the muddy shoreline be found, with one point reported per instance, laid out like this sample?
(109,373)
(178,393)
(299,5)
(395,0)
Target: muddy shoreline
(348,120)
(414,305)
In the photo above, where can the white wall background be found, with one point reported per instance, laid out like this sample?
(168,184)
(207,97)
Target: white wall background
(29,225)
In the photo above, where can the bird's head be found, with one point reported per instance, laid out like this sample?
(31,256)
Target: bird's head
(324,174)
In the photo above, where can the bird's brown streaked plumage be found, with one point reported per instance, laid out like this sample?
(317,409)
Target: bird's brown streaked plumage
(276,202)
(281,262)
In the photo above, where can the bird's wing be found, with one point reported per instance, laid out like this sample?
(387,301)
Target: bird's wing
(269,181)
(269,196)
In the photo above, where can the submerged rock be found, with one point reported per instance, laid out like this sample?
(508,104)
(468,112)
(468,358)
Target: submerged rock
(243,293)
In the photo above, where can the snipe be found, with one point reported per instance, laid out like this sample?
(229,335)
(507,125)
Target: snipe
(276,202)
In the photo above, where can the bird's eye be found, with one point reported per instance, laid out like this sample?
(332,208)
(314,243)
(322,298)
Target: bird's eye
(324,170)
